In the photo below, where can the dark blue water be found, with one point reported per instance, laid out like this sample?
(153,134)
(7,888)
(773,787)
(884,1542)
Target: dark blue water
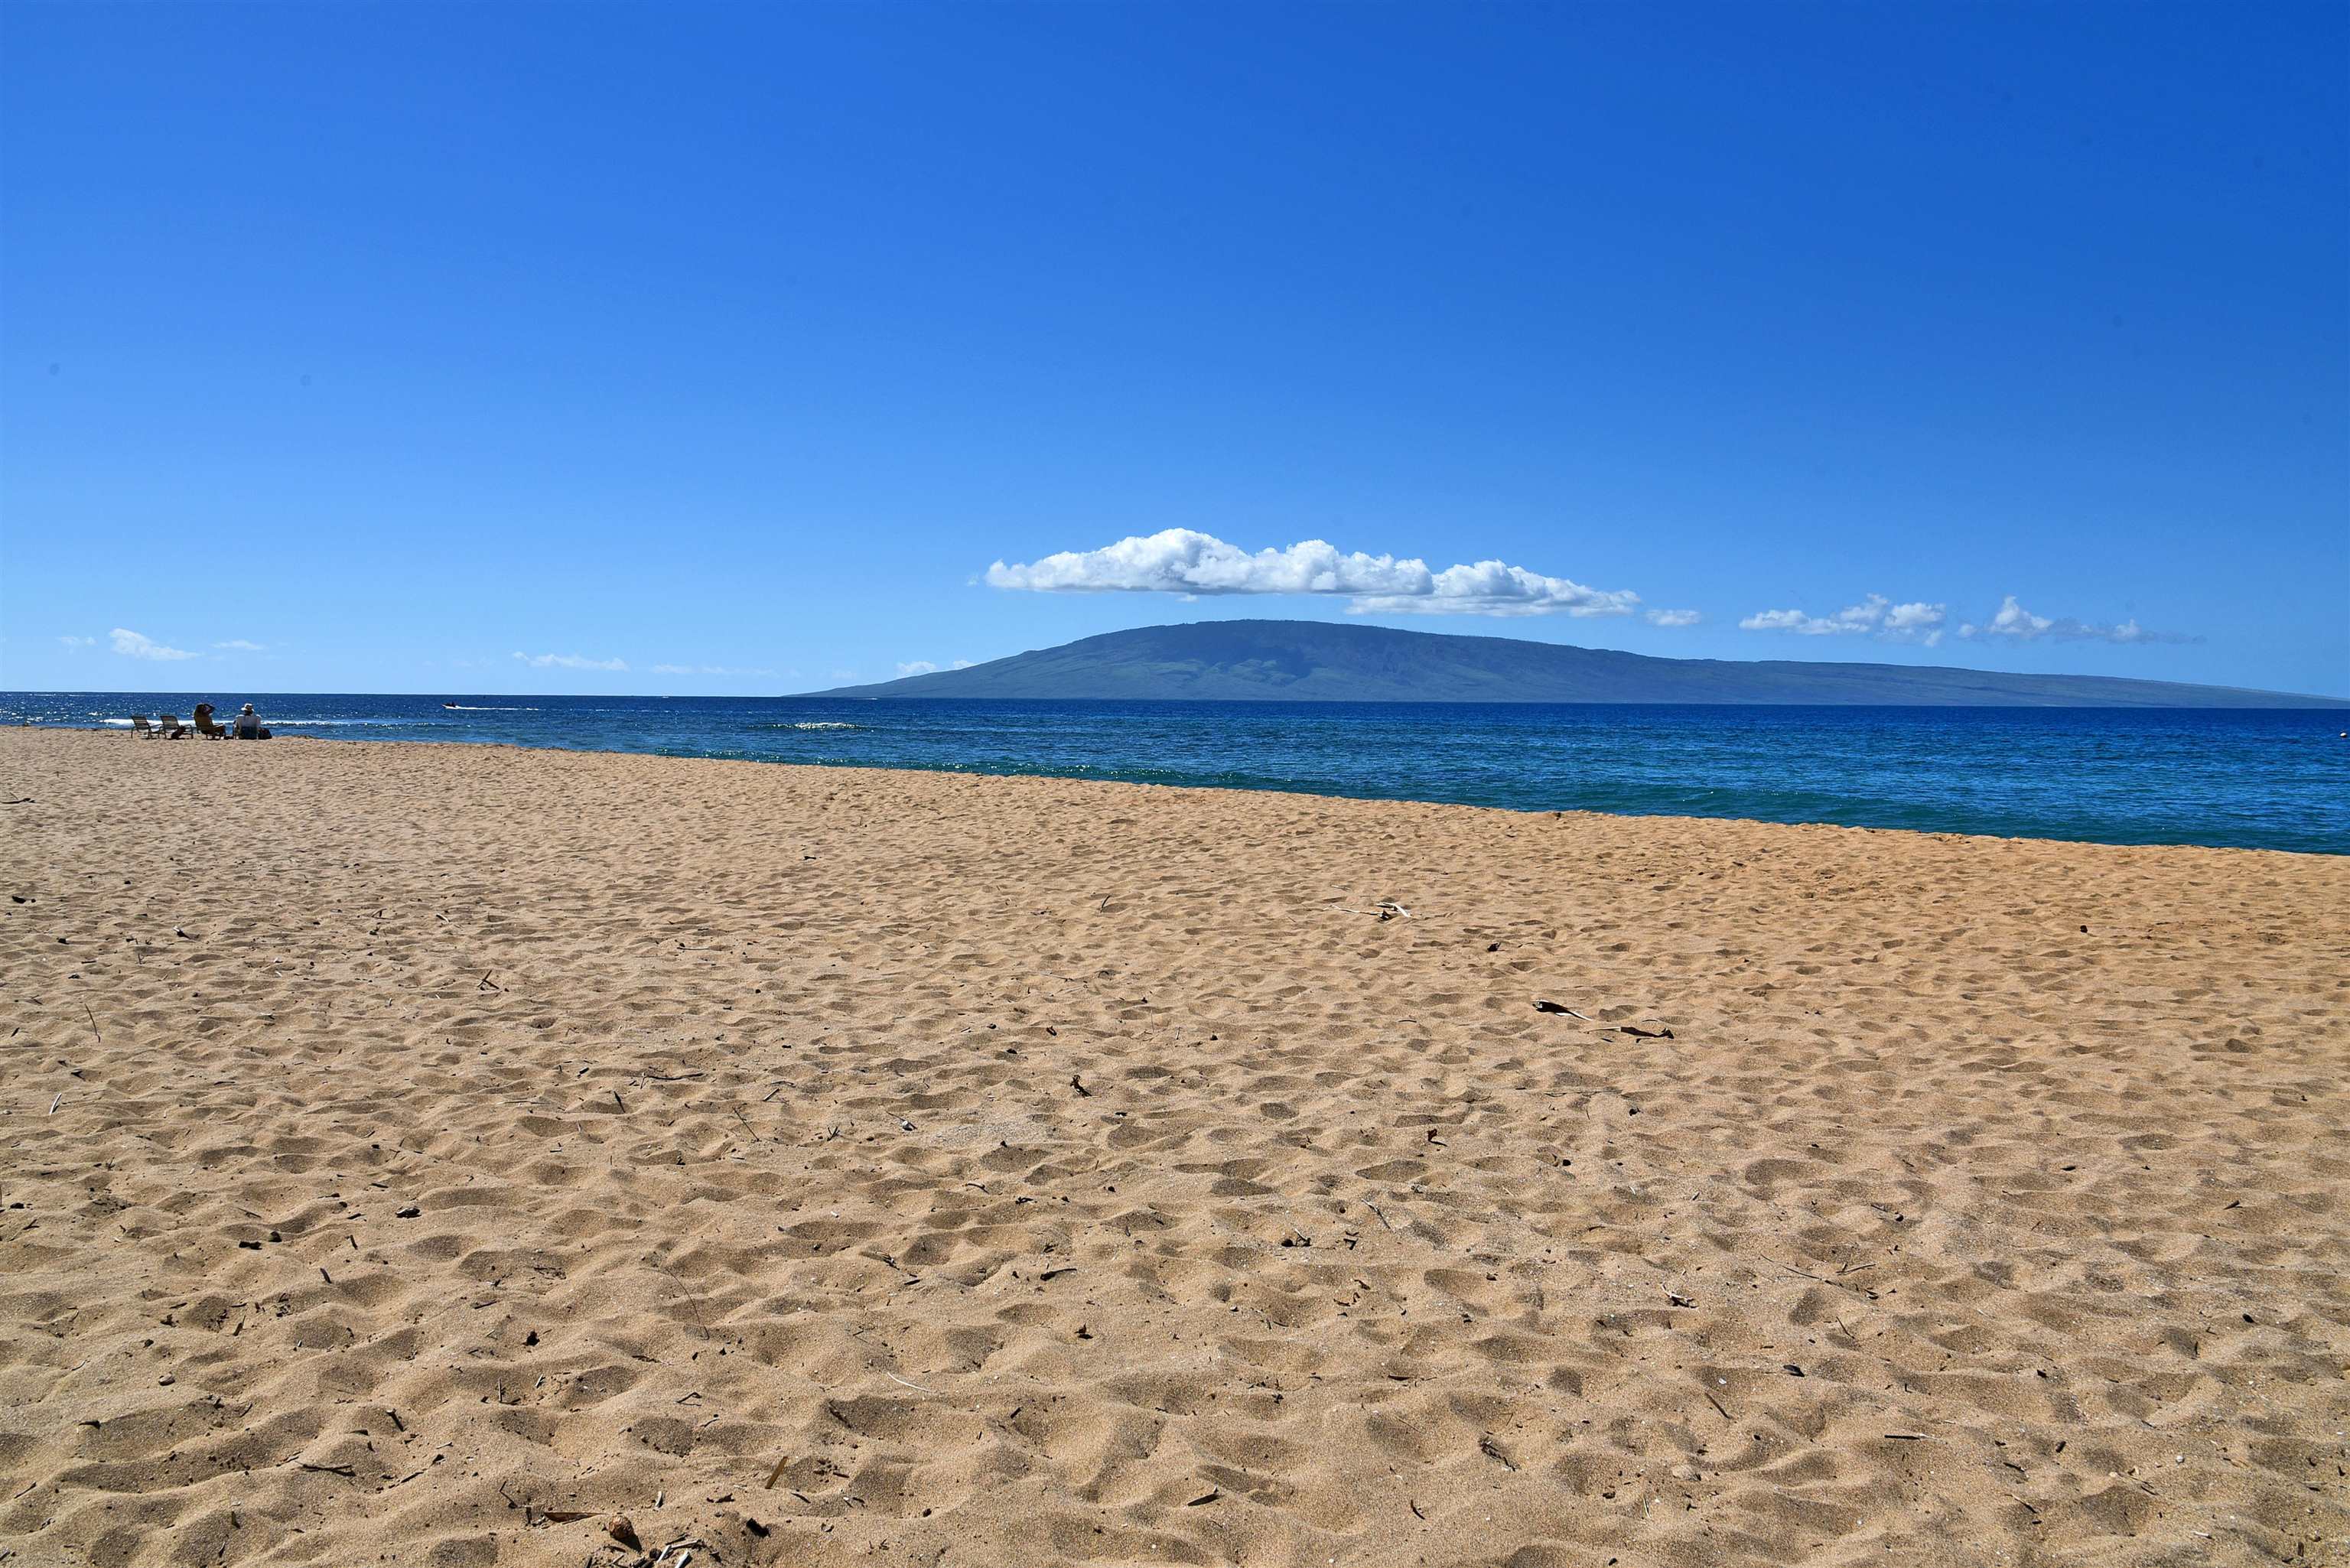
(2273,779)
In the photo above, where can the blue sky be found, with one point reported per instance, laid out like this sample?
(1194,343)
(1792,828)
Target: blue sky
(492,348)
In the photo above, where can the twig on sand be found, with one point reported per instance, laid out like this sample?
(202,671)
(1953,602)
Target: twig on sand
(93,1025)
(901,1381)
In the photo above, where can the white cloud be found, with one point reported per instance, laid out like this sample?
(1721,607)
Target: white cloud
(1674,618)
(238,644)
(130,645)
(1875,616)
(924,667)
(705,670)
(569,662)
(2014,621)
(79,641)
(1184,561)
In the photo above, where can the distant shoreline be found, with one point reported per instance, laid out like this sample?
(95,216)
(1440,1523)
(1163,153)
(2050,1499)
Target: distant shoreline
(1300,660)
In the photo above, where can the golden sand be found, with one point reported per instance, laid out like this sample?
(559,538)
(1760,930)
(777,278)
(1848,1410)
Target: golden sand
(425,1154)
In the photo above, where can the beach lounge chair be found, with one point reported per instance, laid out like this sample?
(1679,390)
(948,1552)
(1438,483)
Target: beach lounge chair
(207,726)
(170,727)
(140,726)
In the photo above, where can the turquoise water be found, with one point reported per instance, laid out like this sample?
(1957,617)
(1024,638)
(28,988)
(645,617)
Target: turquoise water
(2271,779)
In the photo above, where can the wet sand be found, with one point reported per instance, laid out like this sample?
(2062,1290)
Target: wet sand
(427,1154)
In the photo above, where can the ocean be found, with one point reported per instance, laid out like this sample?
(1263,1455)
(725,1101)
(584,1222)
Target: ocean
(2264,779)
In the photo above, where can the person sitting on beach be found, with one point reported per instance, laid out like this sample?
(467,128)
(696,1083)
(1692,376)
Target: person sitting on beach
(246,726)
(205,725)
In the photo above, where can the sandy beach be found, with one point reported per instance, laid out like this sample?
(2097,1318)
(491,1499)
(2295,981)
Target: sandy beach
(433,1154)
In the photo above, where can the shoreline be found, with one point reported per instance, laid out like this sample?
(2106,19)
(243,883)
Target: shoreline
(447,1149)
(950,771)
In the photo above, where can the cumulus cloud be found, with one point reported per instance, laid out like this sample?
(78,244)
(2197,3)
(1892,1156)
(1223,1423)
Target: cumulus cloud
(1187,562)
(706,669)
(79,641)
(569,662)
(238,644)
(2018,624)
(130,645)
(1674,618)
(1875,616)
(924,667)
